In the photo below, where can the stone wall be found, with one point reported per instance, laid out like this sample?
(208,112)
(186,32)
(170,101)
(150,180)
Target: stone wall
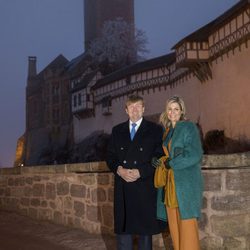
(81,195)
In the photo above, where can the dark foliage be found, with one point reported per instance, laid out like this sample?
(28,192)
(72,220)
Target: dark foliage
(215,142)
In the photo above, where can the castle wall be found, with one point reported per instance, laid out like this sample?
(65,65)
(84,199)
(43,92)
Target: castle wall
(81,196)
(220,103)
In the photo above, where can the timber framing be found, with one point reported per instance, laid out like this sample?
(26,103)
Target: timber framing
(193,55)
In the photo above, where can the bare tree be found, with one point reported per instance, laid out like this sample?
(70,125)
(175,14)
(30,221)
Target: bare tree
(120,45)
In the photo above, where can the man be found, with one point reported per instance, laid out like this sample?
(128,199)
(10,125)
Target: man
(132,146)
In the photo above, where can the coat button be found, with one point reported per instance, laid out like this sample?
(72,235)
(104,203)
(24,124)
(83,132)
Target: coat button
(124,161)
(141,149)
(121,148)
(135,162)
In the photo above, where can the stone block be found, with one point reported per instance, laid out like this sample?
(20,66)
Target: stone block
(12,204)
(52,205)
(35,202)
(204,202)
(10,171)
(38,190)
(98,195)
(28,191)
(11,182)
(57,217)
(238,180)
(77,223)
(231,243)
(211,243)
(59,203)
(78,191)
(103,179)
(231,202)
(37,177)
(68,203)
(86,167)
(202,222)
(45,214)
(25,202)
(7,192)
(62,188)
(111,194)
(212,181)
(248,243)
(107,216)
(79,209)
(3,181)
(29,180)
(87,179)
(94,228)
(17,192)
(50,191)
(70,221)
(93,213)
(24,211)
(20,181)
(2,191)
(230,225)
(33,213)
(227,160)
(44,203)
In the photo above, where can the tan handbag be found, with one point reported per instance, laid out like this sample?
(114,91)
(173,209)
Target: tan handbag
(160,177)
(165,178)
(170,193)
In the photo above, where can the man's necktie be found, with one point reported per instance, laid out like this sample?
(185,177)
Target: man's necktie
(132,132)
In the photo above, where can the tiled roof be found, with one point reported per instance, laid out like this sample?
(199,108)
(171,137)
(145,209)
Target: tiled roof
(136,68)
(82,58)
(59,61)
(203,33)
(85,81)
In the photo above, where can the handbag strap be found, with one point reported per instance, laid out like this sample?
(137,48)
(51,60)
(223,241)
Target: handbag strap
(168,139)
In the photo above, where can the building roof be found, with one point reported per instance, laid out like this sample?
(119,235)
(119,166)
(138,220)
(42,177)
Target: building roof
(203,33)
(136,68)
(59,62)
(85,81)
(83,59)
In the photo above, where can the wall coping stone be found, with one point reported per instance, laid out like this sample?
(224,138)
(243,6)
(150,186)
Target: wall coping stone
(227,161)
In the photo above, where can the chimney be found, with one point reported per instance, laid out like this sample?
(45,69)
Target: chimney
(32,67)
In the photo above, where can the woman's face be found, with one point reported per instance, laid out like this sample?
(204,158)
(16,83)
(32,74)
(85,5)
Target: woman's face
(174,112)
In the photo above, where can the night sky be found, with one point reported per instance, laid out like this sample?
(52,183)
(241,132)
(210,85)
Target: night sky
(47,28)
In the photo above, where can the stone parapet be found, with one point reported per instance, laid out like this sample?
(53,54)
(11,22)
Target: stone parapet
(81,196)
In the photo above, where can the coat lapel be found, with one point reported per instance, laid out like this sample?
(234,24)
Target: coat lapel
(126,133)
(140,133)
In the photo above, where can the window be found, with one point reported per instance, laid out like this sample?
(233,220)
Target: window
(75,101)
(79,99)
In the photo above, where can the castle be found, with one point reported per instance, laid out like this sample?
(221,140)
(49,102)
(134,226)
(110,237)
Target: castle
(69,101)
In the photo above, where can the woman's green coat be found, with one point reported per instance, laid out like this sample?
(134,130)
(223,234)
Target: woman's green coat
(185,160)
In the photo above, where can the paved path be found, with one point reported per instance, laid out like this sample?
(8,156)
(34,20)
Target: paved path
(19,232)
(22,233)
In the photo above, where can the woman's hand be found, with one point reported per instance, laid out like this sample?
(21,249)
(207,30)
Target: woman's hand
(155,162)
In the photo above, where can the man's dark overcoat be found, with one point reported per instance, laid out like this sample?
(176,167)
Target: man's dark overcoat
(135,202)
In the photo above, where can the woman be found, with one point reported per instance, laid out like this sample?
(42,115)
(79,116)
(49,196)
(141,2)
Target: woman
(184,184)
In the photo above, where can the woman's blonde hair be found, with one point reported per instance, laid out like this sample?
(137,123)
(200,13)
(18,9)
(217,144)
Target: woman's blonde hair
(164,116)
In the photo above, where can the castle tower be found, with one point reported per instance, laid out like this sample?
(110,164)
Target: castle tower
(96,12)
(33,96)
(31,69)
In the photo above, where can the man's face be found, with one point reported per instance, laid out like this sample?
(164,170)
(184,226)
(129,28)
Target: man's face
(135,111)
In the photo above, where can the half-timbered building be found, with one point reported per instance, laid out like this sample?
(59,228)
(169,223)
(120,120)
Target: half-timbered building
(208,68)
